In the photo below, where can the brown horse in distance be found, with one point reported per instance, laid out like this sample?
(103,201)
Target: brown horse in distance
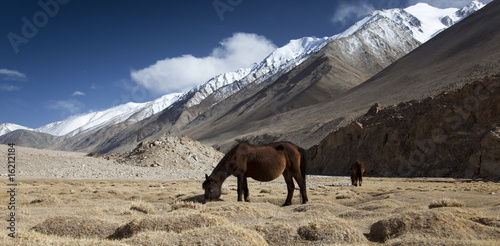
(358,169)
(262,163)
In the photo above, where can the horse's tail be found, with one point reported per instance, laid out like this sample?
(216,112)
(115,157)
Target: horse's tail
(303,162)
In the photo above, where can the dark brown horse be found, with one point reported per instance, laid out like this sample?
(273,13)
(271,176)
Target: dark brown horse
(358,169)
(262,163)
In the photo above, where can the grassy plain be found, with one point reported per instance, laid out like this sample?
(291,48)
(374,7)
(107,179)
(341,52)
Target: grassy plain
(392,211)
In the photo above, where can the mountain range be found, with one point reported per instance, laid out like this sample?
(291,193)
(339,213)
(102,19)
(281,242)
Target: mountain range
(295,93)
(433,113)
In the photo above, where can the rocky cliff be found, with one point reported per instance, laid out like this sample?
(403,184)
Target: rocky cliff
(454,134)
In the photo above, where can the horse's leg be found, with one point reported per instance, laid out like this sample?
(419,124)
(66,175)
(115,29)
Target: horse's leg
(241,179)
(302,185)
(360,179)
(290,186)
(246,193)
(293,167)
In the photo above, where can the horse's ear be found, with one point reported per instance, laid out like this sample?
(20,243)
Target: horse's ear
(206,176)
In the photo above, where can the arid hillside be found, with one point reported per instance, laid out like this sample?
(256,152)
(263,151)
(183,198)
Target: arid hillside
(455,134)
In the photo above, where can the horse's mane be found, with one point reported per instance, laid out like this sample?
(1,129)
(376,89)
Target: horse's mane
(226,156)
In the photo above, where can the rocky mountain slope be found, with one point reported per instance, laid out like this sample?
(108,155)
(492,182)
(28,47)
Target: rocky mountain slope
(248,102)
(453,134)
(170,158)
(351,58)
(341,65)
(336,68)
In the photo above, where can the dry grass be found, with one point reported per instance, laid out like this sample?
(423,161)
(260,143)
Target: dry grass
(186,205)
(168,224)
(385,204)
(334,231)
(277,233)
(432,224)
(143,207)
(39,239)
(75,227)
(345,194)
(216,235)
(446,202)
(127,212)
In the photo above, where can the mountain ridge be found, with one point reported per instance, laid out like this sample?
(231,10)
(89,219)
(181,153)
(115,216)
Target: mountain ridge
(218,88)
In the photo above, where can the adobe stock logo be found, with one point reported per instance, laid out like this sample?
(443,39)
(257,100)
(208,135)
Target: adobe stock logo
(30,27)
(221,6)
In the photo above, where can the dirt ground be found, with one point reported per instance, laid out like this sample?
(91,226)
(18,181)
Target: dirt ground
(392,211)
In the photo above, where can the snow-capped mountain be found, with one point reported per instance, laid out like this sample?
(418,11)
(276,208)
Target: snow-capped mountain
(421,21)
(280,61)
(129,111)
(9,127)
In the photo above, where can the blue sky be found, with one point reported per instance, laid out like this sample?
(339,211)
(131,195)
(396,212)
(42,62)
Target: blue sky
(65,57)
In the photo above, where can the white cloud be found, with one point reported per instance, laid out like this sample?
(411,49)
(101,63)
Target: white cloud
(7,87)
(8,74)
(78,93)
(182,73)
(349,12)
(71,106)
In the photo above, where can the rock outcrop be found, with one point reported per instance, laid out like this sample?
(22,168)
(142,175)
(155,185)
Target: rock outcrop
(455,134)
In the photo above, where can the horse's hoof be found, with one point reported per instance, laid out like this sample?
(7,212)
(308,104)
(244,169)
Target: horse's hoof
(286,204)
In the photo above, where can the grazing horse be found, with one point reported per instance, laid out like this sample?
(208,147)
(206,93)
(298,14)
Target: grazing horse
(358,169)
(262,163)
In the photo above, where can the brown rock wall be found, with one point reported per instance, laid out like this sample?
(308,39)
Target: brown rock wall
(453,134)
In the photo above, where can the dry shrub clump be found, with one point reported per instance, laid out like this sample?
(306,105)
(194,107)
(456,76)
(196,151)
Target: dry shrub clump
(345,194)
(424,241)
(357,214)
(144,207)
(186,204)
(333,231)
(33,238)
(332,208)
(380,205)
(49,199)
(277,233)
(494,222)
(174,224)
(75,227)
(217,235)
(446,202)
(247,212)
(431,224)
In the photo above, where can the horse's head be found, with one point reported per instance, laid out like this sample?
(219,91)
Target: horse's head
(212,189)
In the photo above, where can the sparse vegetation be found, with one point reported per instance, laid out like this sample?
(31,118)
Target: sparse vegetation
(70,226)
(171,213)
(183,204)
(438,225)
(144,207)
(445,202)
